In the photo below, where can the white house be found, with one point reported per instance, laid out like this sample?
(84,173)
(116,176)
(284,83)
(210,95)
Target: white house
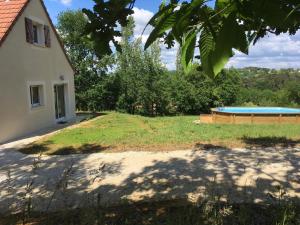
(36,76)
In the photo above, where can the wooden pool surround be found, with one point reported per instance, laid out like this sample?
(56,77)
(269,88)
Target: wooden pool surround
(217,117)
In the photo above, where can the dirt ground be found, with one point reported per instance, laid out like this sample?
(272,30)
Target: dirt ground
(55,182)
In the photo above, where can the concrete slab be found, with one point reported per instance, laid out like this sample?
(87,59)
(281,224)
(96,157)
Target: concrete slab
(56,182)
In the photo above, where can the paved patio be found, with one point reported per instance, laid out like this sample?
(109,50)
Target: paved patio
(81,180)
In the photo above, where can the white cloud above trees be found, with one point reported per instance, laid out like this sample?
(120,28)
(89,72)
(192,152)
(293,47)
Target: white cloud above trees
(141,18)
(272,52)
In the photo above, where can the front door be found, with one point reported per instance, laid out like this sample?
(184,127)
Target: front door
(60,103)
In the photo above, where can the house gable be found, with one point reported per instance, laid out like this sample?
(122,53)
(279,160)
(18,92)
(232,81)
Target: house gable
(10,13)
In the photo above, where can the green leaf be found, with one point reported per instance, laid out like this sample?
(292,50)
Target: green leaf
(160,13)
(188,50)
(187,10)
(220,4)
(184,17)
(241,40)
(230,36)
(166,22)
(226,7)
(196,3)
(206,45)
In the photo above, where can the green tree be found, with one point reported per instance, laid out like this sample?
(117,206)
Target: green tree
(268,87)
(91,72)
(195,92)
(230,24)
(141,75)
(293,92)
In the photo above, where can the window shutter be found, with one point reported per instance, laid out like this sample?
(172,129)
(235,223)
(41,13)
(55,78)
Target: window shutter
(29,30)
(47,36)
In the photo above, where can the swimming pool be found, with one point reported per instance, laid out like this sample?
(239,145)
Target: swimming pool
(258,110)
(252,115)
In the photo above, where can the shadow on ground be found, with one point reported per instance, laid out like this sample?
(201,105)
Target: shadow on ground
(84,180)
(238,176)
(207,147)
(44,147)
(84,116)
(167,213)
(261,142)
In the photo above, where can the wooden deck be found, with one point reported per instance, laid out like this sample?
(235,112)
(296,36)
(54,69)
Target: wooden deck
(231,118)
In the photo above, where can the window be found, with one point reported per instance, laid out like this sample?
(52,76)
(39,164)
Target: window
(37,33)
(36,95)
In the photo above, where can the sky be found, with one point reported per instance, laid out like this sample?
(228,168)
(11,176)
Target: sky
(270,52)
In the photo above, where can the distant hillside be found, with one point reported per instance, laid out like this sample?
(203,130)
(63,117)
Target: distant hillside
(269,87)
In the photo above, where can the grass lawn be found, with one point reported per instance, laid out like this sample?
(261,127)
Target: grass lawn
(114,132)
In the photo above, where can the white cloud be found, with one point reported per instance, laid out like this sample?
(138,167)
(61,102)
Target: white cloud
(66,2)
(273,52)
(281,51)
(169,57)
(141,18)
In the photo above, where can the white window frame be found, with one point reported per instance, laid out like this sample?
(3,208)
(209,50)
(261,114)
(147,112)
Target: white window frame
(42,94)
(39,89)
(67,102)
(40,34)
(40,31)
(37,34)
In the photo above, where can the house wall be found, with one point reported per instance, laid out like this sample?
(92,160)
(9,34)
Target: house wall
(21,64)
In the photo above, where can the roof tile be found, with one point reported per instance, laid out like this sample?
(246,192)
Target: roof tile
(9,12)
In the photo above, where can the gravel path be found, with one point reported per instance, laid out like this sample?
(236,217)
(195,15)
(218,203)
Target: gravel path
(81,180)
